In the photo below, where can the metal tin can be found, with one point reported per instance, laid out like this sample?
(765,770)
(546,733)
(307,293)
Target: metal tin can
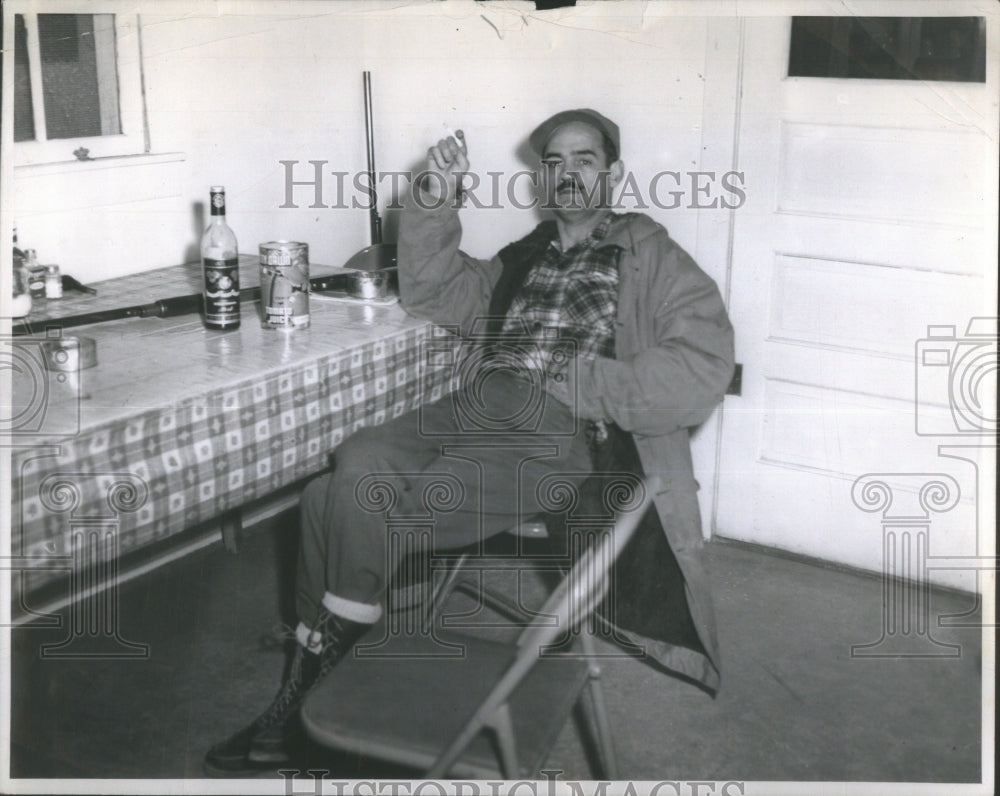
(284,285)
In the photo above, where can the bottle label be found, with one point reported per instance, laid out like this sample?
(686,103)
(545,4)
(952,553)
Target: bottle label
(218,203)
(222,292)
(36,281)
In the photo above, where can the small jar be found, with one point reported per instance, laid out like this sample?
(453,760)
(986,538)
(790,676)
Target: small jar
(53,282)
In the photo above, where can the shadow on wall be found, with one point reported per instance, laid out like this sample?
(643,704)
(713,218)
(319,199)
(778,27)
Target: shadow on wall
(193,251)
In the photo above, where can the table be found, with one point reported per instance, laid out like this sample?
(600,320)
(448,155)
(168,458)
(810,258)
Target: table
(178,425)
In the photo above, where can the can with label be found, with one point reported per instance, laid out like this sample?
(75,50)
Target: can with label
(36,274)
(284,285)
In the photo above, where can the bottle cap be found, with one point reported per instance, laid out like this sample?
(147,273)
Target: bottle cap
(218,200)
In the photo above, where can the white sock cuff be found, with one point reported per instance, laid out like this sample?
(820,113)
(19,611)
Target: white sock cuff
(306,638)
(366,613)
(310,639)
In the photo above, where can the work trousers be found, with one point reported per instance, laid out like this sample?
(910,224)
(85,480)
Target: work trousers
(465,467)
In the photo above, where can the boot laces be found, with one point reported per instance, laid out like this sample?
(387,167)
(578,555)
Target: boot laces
(290,692)
(331,649)
(331,640)
(276,637)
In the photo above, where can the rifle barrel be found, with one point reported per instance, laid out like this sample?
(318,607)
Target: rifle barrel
(375,223)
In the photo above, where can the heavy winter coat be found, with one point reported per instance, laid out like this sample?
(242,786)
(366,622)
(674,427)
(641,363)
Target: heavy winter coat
(673,362)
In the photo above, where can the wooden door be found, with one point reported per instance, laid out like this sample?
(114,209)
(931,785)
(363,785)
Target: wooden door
(867,239)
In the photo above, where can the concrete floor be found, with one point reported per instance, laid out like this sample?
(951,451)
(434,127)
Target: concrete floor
(794,705)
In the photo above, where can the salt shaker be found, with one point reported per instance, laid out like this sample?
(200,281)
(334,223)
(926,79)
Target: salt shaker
(53,282)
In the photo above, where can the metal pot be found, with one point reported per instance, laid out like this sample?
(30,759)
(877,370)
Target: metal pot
(369,284)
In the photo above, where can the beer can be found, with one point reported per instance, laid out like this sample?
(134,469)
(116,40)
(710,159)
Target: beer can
(284,285)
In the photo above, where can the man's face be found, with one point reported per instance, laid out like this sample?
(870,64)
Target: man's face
(575,169)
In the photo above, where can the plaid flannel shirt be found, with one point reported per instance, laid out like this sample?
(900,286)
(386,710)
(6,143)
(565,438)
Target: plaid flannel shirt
(568,304)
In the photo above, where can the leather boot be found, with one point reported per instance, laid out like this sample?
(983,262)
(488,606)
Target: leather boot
(275,735)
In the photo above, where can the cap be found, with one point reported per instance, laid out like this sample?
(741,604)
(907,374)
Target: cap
(540,136)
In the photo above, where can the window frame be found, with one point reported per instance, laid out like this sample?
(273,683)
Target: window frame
(133,138)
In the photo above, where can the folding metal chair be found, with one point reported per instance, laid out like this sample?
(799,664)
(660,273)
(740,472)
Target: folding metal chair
(426,585)
(497,709)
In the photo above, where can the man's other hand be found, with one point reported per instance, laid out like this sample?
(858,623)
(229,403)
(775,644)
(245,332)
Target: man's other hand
(446,162)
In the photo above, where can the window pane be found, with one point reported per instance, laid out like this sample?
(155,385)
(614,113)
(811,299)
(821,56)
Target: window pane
(79,77)
(24,119)
(889,48)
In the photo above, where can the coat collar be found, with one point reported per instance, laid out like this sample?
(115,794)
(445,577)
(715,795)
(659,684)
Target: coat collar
(630,229)
(627,231)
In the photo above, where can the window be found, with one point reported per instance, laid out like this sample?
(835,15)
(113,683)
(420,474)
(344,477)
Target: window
(77,87)
(889,48)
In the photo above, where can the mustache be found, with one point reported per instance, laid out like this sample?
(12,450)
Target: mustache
(567,183)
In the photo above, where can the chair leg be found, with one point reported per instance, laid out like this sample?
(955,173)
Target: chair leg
(231,526)
(609,760)
(445,587)
(605,743)
(504,729)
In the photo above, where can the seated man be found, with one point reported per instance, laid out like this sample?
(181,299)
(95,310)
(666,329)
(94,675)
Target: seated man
(630,343)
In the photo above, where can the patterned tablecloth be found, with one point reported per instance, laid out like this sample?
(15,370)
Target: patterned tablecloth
(177,425)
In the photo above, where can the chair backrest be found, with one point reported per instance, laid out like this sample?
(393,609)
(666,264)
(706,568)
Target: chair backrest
(579,592)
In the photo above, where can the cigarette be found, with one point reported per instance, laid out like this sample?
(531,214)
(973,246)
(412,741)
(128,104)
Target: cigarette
(458,135)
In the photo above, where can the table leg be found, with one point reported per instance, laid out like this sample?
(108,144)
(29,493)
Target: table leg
(231,525)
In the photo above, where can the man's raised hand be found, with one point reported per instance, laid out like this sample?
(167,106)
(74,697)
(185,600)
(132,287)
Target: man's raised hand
(446,162)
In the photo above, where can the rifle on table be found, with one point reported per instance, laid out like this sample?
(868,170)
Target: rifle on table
(168,307)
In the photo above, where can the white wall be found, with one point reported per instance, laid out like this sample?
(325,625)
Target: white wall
(237,87)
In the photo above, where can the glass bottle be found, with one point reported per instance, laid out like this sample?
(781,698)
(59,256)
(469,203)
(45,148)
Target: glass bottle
(220,267)
(36,273)
(21,305)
